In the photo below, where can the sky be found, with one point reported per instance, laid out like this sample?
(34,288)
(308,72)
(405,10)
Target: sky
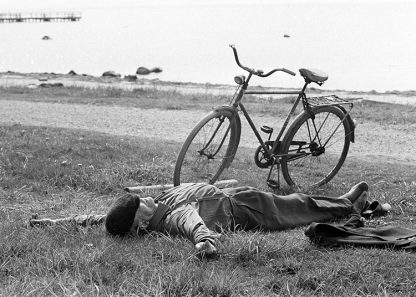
(36,5)
(369,43)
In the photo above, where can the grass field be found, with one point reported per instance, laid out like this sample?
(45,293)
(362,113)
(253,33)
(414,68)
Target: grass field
(56,172)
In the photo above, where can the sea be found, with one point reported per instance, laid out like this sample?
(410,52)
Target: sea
(361,45)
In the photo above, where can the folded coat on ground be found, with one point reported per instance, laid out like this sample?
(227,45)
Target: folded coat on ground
(383,237)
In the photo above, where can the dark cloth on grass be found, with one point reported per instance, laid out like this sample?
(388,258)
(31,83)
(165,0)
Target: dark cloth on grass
(351,234)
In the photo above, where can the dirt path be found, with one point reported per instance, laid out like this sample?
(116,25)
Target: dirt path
(115,120)
(390,143)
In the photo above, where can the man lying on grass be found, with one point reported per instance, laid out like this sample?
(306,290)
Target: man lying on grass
(200,211)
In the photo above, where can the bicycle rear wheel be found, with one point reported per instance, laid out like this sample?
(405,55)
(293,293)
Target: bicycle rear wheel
(209,148)
(315,147)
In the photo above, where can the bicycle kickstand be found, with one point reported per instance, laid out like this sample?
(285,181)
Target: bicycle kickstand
(272,183)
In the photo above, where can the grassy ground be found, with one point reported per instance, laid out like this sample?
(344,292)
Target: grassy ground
(58,172)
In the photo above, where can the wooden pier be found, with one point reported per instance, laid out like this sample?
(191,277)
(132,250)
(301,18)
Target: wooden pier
(40,17)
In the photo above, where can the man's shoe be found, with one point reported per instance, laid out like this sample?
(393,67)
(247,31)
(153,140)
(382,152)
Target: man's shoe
(356,191)
(375,208)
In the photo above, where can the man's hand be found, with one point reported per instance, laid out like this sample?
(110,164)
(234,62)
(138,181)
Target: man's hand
(206,248)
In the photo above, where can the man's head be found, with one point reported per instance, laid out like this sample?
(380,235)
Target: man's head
(121,215)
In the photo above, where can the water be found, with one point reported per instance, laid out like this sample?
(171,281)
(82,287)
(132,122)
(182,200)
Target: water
(362,46)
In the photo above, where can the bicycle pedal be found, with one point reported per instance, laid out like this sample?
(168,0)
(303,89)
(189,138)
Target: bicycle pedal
(273,184)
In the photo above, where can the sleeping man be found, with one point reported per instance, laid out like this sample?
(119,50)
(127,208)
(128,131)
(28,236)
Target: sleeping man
(200,211)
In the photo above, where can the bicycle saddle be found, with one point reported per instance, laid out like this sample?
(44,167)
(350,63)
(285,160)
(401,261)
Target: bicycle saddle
(314,75)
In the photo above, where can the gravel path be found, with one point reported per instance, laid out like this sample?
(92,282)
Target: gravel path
(390,143)
(115,120)
(157,123)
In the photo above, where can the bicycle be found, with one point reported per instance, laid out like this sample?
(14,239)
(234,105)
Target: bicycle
(310,154)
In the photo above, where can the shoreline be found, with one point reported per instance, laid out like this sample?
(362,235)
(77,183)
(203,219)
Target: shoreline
(34,79)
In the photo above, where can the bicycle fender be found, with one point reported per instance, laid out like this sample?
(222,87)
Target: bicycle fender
(233,112)
(228,108)
(350,121)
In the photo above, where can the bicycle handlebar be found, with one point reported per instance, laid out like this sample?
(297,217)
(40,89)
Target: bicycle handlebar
(258,72)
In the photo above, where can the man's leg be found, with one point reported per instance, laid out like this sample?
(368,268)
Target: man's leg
(256,209)
(356,191)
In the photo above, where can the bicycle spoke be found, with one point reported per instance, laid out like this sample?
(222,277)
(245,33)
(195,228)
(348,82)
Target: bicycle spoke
(213,135)
(324,147)
(208,151)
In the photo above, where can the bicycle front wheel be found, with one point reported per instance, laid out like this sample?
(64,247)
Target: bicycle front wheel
(209,148)
(315,147)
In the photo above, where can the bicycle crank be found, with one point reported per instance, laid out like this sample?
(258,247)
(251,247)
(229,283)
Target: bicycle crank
(272,183)
(261,157)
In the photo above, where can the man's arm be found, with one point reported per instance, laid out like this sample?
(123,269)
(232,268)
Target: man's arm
(186,221)
(82,220)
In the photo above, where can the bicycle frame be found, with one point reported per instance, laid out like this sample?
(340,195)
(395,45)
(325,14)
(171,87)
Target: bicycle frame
(237,103)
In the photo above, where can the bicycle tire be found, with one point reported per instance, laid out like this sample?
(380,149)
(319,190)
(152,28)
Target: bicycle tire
(312,159)
(201,160)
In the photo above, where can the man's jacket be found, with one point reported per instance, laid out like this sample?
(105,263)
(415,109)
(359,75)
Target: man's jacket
(382,237)
(193,211)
